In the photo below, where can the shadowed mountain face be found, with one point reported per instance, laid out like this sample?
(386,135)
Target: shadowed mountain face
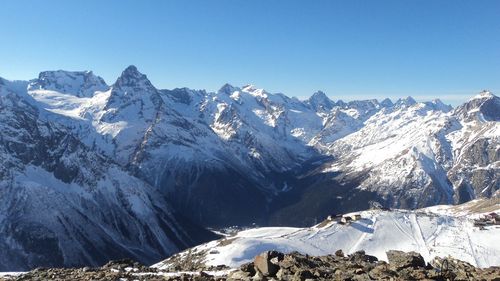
(137,163)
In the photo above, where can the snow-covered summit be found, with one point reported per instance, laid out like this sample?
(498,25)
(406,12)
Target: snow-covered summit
(78,83)
(484,94)
(132,96)
(483,107)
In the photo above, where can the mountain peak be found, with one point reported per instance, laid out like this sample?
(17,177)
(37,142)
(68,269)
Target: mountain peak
(254,91)
(319,94)
(484,94)
(484,106)
(319,100)
(131,77)
(249,87)
(408,101)
(227,89)
(131,71)
(437,104)
(131,68)
(387,102)
(341,103)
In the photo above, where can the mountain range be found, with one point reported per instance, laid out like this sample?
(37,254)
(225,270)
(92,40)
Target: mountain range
(93,172)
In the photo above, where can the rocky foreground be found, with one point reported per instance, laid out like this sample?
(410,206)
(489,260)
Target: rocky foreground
(273,265)
(359,266)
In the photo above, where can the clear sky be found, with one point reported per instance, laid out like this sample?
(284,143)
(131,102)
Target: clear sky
(349,49)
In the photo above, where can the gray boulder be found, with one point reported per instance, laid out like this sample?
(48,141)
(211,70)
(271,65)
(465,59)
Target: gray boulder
(267,262)
(400,259)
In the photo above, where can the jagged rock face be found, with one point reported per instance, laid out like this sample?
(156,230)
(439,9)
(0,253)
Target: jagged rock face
(482,107)
(476,142)
(320,102)
(338,124)
(62,204)
(483,179)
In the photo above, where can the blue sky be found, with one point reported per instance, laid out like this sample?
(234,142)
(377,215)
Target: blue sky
(349,49)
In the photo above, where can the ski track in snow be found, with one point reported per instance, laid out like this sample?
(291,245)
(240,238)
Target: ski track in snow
(422,245)
(472,250)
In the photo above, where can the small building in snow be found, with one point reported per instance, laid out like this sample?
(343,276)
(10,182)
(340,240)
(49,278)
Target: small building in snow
(345,220)
(356,217)
(334,217)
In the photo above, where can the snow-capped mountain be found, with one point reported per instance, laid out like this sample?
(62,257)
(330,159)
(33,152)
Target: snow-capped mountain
(62,203)
(78,83)
(243,155)
(411,156)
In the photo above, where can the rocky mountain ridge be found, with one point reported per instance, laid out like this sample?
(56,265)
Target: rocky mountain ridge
(239,156)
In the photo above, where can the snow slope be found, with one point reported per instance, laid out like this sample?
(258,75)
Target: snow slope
(432,232)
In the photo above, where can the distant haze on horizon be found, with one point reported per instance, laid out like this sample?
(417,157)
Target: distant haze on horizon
(348,49)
